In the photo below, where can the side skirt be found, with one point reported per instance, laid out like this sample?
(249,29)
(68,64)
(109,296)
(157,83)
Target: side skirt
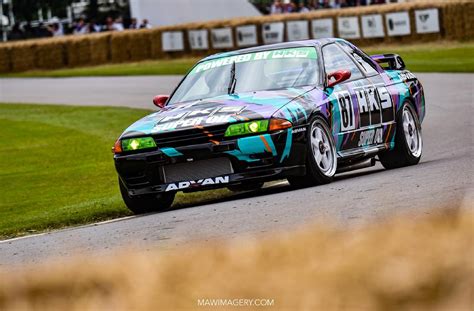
(360,154)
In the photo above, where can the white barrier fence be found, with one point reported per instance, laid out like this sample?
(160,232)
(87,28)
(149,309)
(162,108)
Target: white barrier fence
(348,27)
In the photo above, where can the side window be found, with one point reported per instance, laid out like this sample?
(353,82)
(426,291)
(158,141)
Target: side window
(335,59)
(363,60)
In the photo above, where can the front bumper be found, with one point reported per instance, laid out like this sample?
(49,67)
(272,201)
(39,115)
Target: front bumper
(255,158)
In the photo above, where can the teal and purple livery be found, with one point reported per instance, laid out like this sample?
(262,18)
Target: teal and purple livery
(303,111)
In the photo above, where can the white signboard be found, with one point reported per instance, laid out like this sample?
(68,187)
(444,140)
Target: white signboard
(4,20)
(348,27)
(246,35)
(322,28)
(297,30)
(398,24)
(372,26)
(198,39)
(427,21)
(221,38)
(172,41)
(272,32)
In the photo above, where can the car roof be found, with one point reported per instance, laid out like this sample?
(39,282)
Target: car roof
(284,45)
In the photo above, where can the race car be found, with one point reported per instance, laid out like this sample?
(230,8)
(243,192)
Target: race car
(303,111)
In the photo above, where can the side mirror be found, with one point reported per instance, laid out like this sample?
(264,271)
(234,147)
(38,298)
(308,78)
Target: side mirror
(337,77)
(160,100)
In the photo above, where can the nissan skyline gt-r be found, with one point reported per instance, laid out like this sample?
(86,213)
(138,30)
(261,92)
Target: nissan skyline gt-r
(303,111)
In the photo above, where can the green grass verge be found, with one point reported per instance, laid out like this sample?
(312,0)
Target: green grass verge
(152,67)
(433,57)
(57,168)
(428,57)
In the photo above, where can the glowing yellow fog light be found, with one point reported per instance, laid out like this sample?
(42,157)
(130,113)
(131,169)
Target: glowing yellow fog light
(253,127)
(246,128)
(134,144)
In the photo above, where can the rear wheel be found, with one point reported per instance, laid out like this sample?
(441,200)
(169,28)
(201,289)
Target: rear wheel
(321,163)
(408,140)
(147,203)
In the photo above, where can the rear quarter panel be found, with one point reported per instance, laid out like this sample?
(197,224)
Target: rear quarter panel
(403,85)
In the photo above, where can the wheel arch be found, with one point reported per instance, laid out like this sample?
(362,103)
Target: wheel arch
(412,102)
(318,113)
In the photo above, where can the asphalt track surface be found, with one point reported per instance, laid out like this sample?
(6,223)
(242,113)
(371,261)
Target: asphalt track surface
(442,180)
(135,92)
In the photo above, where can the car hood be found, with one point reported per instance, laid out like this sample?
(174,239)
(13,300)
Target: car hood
(215,111)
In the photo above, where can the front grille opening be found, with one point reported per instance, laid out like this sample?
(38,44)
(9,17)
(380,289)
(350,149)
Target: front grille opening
(192,136)
(197,170)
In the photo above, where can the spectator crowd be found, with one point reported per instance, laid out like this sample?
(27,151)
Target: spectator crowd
(302,6)
(54,28)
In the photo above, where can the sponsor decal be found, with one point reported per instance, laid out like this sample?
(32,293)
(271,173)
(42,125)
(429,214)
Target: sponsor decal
(198,39)
(172,41)
(197,183)
(272,32)
(297,30)
(223,114)
(222,38)
(372,26)
(374,107)
(303,52)
(406,75)
(246,35)
(348,27)
(398,24)
(427,21)
(299,130)
(322,28)
(370,137)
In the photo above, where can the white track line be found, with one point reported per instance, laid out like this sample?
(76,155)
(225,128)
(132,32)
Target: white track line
(64,229)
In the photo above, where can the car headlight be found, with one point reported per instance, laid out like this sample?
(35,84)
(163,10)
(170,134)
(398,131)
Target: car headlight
(258,126)
(246,128)
(131,144)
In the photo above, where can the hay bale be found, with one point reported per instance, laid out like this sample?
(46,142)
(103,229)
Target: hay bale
(455,22)
(139,45)
(49,54)
(5,61)
(78,51)
(99,48)
(400,263)
(23,56)
(119,47)
(468,10)
(155,43)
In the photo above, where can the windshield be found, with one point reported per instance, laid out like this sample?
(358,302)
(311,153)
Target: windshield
(267,70)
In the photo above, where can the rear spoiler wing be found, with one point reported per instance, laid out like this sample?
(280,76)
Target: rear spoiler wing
(389,61)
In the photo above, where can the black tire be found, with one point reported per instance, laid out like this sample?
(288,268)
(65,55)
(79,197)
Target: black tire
(405,152)
(316,174)
(147,204)
(248,186)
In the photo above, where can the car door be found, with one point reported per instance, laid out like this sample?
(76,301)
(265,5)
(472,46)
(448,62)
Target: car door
(345,109)
(377,125)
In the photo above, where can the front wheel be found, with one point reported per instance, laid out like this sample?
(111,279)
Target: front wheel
(321,163)
(408,140)
(147,203)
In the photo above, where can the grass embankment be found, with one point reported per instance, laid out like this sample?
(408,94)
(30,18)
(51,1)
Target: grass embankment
(56,167)
(427,57)
(403,264)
